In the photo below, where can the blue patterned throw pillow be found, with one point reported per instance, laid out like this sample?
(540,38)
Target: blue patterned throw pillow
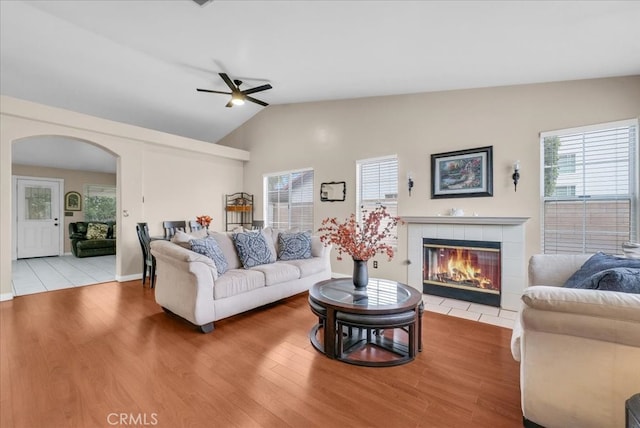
(253,249)
(209,247)
(294,246)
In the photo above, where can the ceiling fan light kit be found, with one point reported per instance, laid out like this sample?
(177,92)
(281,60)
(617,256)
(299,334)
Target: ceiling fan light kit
(238,96)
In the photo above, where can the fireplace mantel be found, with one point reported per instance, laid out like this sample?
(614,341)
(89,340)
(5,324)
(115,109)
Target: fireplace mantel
(465,220)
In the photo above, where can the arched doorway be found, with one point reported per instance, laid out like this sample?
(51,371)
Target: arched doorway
(59,180)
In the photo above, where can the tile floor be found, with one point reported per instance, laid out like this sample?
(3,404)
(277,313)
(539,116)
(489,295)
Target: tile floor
(470,311)
(42,274)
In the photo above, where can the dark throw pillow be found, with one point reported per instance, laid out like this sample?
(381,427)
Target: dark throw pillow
(294,246)
(617,279)
(597,263)
(253,249)
(209,247)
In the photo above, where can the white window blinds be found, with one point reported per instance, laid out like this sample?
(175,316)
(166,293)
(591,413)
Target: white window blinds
(378,186)
(590,188)
(289,200)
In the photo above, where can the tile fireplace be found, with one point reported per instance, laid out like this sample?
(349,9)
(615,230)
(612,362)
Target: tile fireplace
(508,232)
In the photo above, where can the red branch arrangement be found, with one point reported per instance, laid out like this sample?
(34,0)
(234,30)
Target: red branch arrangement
(204,220)
(362,240)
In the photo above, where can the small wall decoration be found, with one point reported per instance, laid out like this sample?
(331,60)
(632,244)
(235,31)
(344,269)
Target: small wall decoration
(462,174)
(333,191)
(72,201)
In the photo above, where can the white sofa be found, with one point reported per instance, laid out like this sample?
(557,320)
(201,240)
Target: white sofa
(579,350)
(188,283)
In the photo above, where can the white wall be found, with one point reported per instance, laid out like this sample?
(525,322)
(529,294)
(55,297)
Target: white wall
(178,178)
(330,136)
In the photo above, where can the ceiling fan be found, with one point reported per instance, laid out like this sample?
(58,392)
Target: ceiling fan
(238,96)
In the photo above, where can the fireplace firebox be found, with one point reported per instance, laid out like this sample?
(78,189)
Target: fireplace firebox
(462,269)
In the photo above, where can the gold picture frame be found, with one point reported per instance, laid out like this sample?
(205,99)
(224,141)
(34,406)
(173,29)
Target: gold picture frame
(72,201)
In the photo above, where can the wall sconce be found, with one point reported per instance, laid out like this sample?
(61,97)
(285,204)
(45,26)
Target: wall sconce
(409,183)
(516,175)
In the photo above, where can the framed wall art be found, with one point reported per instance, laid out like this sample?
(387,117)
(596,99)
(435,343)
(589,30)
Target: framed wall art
(72,201)
(334,191)
(462,174)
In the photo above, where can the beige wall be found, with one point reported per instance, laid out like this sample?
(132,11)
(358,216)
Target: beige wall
(73,181)
(159,176)
(331,136)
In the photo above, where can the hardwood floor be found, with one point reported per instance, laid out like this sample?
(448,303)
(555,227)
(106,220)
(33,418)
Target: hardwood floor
(87,357)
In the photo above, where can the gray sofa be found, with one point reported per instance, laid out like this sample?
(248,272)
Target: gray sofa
(579,349)
(188,284)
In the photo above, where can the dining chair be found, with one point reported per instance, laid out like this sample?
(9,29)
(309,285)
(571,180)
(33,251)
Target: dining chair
(148,260)
(194,225)
(171,227)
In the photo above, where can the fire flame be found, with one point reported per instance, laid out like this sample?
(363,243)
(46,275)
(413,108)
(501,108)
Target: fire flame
(460,269)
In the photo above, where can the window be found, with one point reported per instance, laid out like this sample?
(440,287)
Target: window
(377,185)
(288,200)
(99,202)
(567,163)
(590,188)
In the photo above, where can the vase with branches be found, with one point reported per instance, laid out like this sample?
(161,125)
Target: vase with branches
(362,239)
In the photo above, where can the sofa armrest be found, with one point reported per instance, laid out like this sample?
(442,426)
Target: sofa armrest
(185,282)
(554,269)
(594,314)
(318,249)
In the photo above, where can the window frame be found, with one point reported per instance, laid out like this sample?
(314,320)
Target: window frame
(394,212)
(265,198)
(633,178)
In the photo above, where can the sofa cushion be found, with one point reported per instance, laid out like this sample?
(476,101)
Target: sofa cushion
(597,263)
(209,247)
(617,279)
(225,242)
(294,246)
(253,249)
(308,267)
(97,231)
(236,281)
(276,273)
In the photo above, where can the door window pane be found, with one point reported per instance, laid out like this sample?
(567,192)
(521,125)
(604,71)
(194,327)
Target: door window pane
(37,203)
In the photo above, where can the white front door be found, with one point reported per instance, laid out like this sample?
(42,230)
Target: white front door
(38,218)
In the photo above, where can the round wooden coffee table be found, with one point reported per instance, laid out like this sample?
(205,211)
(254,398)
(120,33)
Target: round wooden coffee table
(378,326)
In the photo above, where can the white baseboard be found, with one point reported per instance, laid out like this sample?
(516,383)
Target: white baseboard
(123,278)
(6,296)
(339,275)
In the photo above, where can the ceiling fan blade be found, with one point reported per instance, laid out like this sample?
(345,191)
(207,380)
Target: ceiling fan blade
(228,82)
(229,104)
(213,92)
(256,89)
(254,100)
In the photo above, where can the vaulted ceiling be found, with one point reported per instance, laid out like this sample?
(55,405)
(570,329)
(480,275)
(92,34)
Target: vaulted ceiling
(140,62)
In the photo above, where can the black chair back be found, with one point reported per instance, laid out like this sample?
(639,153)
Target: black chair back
(171,227)
(148,261)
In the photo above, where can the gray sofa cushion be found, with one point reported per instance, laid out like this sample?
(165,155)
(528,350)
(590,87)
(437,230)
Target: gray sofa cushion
(597,263)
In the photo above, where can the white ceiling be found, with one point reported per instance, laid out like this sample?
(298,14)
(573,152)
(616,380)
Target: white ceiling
(140,62)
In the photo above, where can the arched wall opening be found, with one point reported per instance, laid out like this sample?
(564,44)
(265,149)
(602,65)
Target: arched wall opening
(159,176)
(78,165)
